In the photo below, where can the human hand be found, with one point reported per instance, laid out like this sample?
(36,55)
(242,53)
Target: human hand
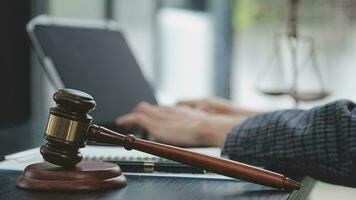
(181,125)
(217,105)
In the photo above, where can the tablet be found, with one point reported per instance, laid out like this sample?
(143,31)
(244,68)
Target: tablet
(94,57)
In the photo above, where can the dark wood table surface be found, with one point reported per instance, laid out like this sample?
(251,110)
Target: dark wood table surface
(155,188)
(21,136)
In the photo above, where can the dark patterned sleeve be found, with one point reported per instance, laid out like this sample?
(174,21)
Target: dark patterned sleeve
(320,142)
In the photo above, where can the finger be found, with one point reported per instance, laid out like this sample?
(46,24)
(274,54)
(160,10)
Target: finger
(202,105)
(132,119)
(147,109)
(190,103)
(205,108)
(153,111)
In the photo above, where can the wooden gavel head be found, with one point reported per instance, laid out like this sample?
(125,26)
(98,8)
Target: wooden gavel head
(67,127)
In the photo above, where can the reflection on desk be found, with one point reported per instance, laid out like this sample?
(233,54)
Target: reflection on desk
(155,188)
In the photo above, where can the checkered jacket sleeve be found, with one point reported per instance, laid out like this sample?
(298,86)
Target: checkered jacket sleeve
(320,142)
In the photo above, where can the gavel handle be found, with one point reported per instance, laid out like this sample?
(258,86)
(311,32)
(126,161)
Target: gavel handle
(217,165)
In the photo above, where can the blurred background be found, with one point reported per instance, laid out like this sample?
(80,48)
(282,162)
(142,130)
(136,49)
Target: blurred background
(189,49)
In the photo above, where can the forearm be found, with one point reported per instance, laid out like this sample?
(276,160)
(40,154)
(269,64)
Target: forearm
(320,141)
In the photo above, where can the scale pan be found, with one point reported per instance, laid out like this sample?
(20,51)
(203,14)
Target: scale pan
(310,96)
(274,92)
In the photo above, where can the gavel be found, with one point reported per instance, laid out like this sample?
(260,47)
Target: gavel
(70,126)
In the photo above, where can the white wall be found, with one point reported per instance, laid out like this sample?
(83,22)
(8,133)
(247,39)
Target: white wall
(93,9)
(185,54)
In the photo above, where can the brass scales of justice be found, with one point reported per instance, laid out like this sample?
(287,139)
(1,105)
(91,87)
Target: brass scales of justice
(294,40)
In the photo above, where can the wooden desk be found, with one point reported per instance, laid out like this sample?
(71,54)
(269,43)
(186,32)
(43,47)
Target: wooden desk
(22,136)
(155,188)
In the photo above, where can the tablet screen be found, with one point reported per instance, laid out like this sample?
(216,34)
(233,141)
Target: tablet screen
(99,62)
